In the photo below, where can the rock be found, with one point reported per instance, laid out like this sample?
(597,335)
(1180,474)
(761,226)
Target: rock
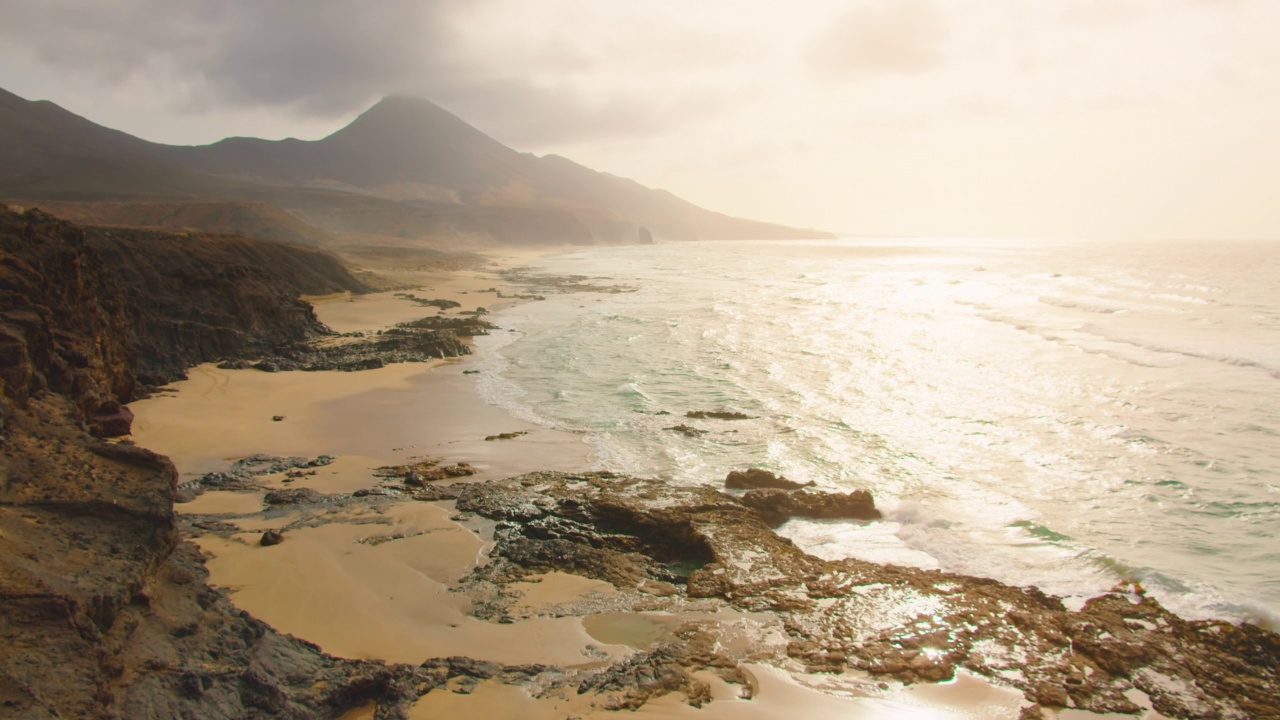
(271,537)
(424,471)
(687,431)
(458,470)
(1050,695)
(107,611)
(277,418)
(777,506)
(293,496)
(644,676)
(243,474)
(717,415)
(111,420)
(432,493)
(505,436)
(646,535)
(760,478)
(657,588)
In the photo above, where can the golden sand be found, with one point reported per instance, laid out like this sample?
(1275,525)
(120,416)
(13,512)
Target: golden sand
(373,581)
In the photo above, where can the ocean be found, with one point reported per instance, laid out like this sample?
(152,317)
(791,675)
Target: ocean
(1068,415)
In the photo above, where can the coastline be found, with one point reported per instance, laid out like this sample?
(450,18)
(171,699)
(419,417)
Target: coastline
(366,419)
(392,599)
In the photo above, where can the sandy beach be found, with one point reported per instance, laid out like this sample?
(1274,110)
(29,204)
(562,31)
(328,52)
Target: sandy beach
(378,580)
(387,601)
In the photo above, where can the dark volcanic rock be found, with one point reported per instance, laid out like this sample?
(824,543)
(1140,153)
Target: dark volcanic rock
(243,474)
(505,436)
(777,506)
(293,496)
(895,622)
(687,430)
(271,537)
(461,326)
(438,302)
(760,478)
(400,344)
(717,415)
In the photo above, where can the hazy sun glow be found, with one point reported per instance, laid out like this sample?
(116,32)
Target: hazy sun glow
(1104,119)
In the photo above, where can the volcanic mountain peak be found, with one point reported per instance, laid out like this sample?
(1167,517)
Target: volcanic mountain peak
(405,167)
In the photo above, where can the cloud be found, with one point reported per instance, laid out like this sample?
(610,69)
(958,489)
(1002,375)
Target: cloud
(322,59)
(880,37)
(325,56)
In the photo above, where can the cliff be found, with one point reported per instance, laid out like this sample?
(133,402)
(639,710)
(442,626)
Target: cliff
(104,611)
(99,314)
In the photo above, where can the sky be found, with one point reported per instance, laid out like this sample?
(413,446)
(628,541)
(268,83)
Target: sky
(1101,119)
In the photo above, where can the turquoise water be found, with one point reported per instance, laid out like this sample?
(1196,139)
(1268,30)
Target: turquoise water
(1064,415)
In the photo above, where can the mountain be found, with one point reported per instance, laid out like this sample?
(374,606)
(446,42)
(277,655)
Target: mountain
(47,152)
(406,169)
(404,148)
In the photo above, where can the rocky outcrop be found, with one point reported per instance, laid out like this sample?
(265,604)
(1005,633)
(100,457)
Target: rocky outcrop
(759,478)
(778,506)
(244,474)
(364,353)
(95,583)
(104,611)
(896,623)
(111,419)
(98,315)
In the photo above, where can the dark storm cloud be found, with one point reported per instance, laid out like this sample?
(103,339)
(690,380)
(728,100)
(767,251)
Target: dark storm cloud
(326,56)
(319,58)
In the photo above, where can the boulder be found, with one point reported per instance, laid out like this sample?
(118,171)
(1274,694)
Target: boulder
(111,420)
(777,506)
(271,537)
(760,478)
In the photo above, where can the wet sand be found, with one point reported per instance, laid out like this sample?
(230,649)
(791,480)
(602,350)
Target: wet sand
(327,584)
(373,581)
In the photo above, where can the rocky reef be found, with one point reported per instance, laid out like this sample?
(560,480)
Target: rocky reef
(666,547)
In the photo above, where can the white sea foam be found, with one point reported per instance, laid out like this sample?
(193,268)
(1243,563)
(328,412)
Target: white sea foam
(1061,417)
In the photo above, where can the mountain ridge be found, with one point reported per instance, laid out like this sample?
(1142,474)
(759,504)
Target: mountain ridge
(405,169)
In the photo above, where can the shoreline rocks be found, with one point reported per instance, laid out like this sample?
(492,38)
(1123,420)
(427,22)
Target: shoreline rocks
(753,478)
(897,623)
(717,415)
(777,506)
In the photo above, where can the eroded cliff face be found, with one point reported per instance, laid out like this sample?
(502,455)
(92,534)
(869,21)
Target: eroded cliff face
(104,611)
(99,314)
